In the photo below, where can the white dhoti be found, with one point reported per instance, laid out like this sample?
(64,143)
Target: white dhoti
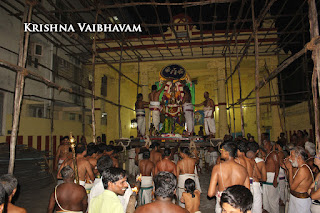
(255,189)
(155,108)
(132,166)
(218,198)
(315,208)
(181,188)
(145,193)
(213,158)
(188,115)
(209,124)
(299,205)
(141,121)
(60,161)
(270,195)
(282,186)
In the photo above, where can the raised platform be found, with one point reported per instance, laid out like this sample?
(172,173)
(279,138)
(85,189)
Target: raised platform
(172,141)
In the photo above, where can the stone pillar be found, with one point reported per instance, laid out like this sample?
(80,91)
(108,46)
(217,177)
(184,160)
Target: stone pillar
(223,119)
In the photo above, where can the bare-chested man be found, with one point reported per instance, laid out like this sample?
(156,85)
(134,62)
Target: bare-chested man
(155,105)
(146,167)
(62,152)
(270,191)
(260,167)
(109,151)
(186,168)
(68,196)
(166,164)
(92,157)
(10,184)
(188,110)
(300,201)
(140,115)
(191,197)
(227,174)
(208,107)
(155,154)
(165,185)
(84,167)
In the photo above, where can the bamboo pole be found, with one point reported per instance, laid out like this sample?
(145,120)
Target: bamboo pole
(119,96)
(307,81)
(283,105)
(94,53)
(53,74)
(314,33)
(232,96)
(225,63)
(240,92)
(256,51)
(138,76)
(23,49)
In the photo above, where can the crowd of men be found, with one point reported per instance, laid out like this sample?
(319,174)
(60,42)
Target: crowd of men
(245,177)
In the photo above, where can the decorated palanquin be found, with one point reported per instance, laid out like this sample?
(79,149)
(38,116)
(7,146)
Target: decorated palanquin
(172,119)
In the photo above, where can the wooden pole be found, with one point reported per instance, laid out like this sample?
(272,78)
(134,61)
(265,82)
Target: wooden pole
(283,105)
(119,96)
(256,52)
(240,92)
(53,74)
(232,96)
(23,49)
(314,33)
(138,76)
(225,63)
(94,53)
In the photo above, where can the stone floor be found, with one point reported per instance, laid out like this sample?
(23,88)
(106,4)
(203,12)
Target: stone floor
(37,201)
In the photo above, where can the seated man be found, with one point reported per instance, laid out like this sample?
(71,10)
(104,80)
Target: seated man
(2,197)
(236,199)
(115,183)
(10,183)
(68,195)
(165,186)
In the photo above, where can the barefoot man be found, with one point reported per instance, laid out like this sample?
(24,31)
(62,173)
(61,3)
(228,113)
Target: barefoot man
(208,108)
(155,105)
(300,201)
(146,167)
(165,185)
(68,197)
(155,154)
(271,194)
(188,110)
(186,168)
(84,167)
(166,164)
(62,152)
(227,174)
(140,115)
